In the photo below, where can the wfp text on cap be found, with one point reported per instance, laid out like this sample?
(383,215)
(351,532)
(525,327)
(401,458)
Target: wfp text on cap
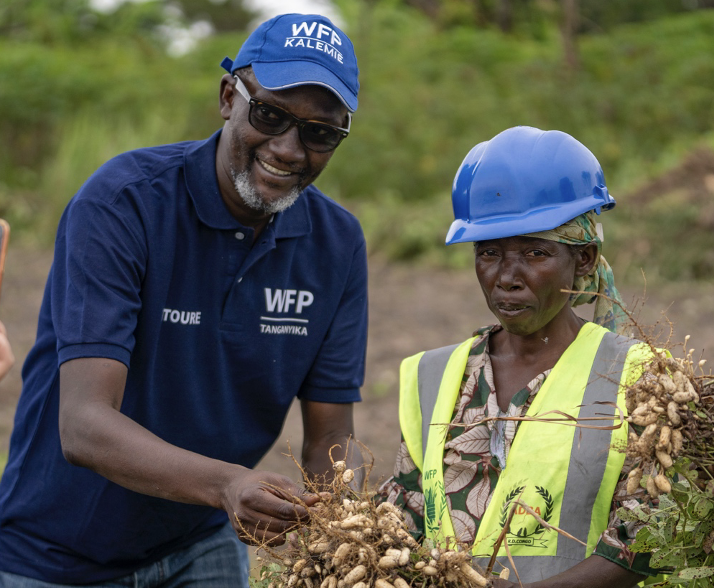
(307,40)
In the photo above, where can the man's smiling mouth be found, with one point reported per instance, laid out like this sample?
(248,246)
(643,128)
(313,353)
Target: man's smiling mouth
(274,170)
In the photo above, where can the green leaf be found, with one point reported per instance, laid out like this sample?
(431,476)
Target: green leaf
(695,573)
(681,492)
(668,529)
(701,531)
(645,541)
(658,581)
(672,558)
(702,508)
(634,515)
(666,502)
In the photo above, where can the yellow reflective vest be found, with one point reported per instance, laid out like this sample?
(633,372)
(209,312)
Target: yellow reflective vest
(567,475)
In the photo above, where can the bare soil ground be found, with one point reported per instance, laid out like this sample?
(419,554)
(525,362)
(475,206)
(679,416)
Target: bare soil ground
(411,309)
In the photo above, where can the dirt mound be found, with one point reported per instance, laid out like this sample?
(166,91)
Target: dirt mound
(667,227)
(692,181)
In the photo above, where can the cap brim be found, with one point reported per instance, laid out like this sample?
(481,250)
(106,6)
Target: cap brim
(276,76)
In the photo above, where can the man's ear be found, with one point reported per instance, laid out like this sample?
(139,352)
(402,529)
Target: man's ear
(225,98)
(586,259)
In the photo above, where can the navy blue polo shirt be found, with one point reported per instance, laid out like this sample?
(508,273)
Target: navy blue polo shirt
(219,335)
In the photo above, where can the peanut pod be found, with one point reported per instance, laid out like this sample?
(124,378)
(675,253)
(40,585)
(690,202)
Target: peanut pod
(673,414)
(652,489)
(667,384)
(663,484)
(664,459)
(633,480)
(665,435)
(677,442)
(355,575)
(472,575)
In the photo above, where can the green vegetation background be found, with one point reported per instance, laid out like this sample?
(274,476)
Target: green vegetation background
(642,99)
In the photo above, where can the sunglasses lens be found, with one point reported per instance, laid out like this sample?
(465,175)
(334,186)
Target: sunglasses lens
(272,120)
(320,137)
(268,119)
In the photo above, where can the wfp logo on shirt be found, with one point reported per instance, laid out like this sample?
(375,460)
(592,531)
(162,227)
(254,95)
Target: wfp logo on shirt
(316,36)
(286,301)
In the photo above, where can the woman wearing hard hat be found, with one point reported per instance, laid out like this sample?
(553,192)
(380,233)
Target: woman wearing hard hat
(529,201)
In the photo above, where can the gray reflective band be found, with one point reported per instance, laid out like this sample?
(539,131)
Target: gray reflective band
(432,366)
(588,454)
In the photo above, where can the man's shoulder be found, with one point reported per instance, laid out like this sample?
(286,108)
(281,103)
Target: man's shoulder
(143,167)
(322,205)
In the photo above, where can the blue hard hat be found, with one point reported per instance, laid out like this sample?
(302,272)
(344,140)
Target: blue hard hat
(522,181)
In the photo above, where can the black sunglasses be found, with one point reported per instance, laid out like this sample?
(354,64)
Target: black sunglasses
(273,120)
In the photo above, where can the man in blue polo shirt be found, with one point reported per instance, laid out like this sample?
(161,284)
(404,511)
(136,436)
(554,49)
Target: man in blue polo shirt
(196,290)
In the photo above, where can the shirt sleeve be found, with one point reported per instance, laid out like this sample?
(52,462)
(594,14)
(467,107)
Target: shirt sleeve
(99,265)
(338,372)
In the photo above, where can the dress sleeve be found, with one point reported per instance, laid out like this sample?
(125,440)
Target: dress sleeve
(404,490)
(614,542)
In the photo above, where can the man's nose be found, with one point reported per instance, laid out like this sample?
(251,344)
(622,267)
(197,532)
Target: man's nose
(288,147)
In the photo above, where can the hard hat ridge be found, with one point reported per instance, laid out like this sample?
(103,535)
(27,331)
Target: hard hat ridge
(522,181)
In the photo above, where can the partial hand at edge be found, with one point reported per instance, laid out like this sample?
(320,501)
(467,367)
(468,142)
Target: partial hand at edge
(7,359)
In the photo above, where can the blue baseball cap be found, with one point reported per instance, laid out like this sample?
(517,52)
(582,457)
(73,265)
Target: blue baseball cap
(301,49)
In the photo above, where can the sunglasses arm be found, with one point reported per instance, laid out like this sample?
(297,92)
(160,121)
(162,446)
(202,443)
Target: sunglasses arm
(242,90)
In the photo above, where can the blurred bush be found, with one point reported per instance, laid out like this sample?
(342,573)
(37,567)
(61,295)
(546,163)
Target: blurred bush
(641,100)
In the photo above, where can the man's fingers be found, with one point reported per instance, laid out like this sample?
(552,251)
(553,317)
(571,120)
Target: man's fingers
(313,499)
(294,505)
(259,524)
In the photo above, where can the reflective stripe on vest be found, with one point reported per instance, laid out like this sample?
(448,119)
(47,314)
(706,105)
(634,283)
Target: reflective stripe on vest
(593,369)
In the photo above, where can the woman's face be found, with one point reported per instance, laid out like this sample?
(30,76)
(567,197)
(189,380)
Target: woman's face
(522,279)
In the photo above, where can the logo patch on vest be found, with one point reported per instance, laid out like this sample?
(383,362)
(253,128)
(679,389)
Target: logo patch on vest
(525,529)
(433,512)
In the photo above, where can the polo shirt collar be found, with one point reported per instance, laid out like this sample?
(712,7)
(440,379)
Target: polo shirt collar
(202,184)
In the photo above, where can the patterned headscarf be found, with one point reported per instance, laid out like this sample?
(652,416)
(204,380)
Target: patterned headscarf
(581,230)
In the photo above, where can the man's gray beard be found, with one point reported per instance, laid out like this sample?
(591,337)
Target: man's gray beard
(253,200)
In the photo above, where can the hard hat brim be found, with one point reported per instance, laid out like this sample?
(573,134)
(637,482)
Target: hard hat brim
(540,219)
